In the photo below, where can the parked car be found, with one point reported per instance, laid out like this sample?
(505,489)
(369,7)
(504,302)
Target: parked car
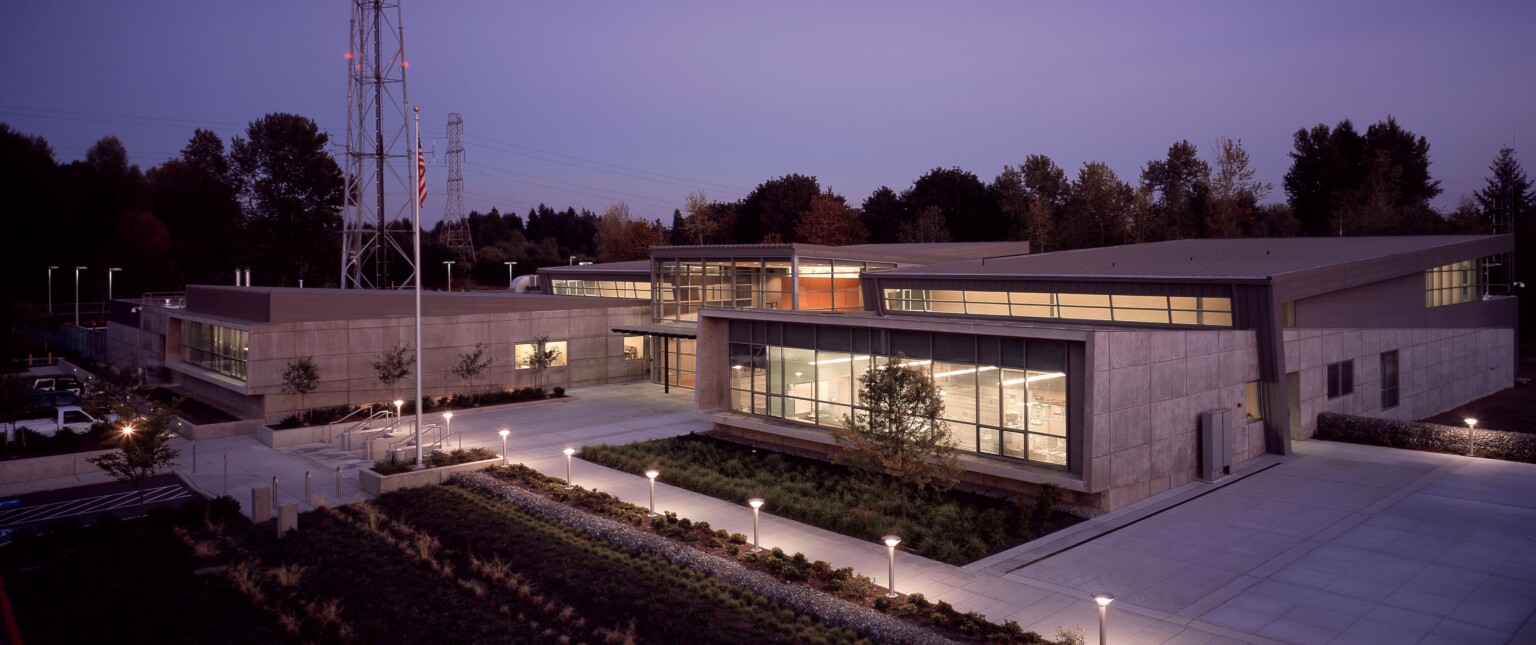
(69,417)
(43,403)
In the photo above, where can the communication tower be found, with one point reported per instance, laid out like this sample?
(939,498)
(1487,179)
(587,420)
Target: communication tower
(374,232)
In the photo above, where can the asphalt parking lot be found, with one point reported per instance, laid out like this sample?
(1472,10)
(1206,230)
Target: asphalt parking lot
(87,504)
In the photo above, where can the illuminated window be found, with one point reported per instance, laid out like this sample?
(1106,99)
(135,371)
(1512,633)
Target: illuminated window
(1451,284)
(1177,310)
(634,348)
(1251,402)
(527,354)
(215,348)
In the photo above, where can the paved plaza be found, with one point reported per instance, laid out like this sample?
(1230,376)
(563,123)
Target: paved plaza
(1335,544)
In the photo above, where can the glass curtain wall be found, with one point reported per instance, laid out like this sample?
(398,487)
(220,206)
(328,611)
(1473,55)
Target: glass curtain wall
(678,367)
(600,288)
(1175,310)
(215,348)
(684,286)
(1004,397)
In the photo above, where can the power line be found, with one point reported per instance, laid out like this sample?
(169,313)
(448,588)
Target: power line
(691,183)
(610,194)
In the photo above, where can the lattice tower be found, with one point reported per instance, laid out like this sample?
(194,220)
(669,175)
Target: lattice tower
(376,231)
(455,227)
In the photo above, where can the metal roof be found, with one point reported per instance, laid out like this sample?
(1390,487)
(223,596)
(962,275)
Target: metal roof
(908,254)
(1210,259)
(637,267)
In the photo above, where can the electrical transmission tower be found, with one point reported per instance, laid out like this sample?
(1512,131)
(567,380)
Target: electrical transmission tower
(455,227)
(378,147)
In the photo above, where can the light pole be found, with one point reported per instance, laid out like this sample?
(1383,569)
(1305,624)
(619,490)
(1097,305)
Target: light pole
(448,429)
(568,453)
(109,281)
(504,432)
(890,545)
(50,287)
(651,475)
(449,264)
(1103,599)
(756,503)
(77,294)
(398,410)
(1471,423)
(511,269)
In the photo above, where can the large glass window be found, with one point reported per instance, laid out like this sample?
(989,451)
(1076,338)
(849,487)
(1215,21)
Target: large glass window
(683,286)
(1004,397)
(1451,284)
(525,353)
(1389,380)
(1177,310)
(674,361)
(634,348)
(601,288)
(1341,379)
(215,348)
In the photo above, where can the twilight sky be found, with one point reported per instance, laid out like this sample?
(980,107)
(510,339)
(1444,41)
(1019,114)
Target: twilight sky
(586,104)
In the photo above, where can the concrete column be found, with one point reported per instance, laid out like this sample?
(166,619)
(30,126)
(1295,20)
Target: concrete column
(261,504)
(287,519)
(712,362)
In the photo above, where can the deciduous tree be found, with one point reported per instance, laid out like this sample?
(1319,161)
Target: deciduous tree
(1235,194)
(830,222)
(1097,209)
(143,449)
(472,366)
(300,378)
(392,366)
(1047,186)
(291,190)
(927,227)
(898,432)
(1178,183)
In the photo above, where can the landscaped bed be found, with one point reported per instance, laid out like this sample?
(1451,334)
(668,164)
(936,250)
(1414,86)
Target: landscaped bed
(951,526)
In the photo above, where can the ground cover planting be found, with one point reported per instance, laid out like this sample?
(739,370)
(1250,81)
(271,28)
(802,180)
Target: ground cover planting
(951,526)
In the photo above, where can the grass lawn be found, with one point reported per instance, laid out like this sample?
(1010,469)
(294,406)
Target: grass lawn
(951,526)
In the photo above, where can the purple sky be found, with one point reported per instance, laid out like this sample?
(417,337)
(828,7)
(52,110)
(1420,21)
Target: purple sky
(722,96)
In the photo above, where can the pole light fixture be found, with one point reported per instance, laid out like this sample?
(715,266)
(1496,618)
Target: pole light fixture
(51,267)
(511,268)
(651,475)
(127,431)
(1471,423)
(449,264)
(756,503)
(504,432)
(399,407)
(1103,599)
(448,429)
(77,294)
(109,281)
(569,452)
(890,545)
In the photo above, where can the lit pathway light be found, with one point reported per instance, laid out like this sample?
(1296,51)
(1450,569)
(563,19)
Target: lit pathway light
(504,432)
(399,405)
(890,544)
(1471,423)
(569,452)
(651,475)
(1103,599)
(756,503)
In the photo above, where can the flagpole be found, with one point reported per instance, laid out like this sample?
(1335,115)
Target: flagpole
(416,261)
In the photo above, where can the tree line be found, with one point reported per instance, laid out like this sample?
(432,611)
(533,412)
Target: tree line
(271,199)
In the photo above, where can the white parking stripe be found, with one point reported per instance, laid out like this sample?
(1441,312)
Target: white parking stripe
(71,508)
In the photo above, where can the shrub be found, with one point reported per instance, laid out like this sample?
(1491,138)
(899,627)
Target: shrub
(559,391)
(387,467)
(1495,444)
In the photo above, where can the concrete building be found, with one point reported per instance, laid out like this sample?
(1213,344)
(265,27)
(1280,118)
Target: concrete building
(1107,371)
(228,346)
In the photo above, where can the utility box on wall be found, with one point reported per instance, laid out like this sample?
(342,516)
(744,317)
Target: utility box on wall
(1215,444)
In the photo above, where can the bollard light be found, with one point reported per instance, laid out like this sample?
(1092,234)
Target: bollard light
(448,429)
(1471,423)
(1103,599)
(890,544)
(569,452)
(651,475)
(504,432)
(756,503)
(399,405)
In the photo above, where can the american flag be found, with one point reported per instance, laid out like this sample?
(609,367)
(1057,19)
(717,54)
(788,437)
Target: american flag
(421,177)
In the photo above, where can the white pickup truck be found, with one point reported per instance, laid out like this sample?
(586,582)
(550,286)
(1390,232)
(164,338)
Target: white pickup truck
(69,417)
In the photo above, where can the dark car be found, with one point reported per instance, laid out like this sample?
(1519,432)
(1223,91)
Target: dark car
(43,402)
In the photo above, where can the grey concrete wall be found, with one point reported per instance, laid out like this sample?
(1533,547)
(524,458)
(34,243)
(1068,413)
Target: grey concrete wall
(1438,369)
(375,484)
(345,350)
(1145,397)
(14,471)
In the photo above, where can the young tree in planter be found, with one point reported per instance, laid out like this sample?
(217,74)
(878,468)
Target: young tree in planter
(541,359)
(901,435)
(394,365)
(471,366)
(144,451)
(300,378)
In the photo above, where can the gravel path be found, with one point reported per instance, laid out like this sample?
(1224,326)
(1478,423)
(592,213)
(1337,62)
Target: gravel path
(829,609)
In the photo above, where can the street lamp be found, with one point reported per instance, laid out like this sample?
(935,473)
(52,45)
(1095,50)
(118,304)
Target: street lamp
(77,294)
(449,264)
(504,432)
(756,503)
(127,430)
(1471,423)
(511,267)
(890,544)
(50,287)
(109,281)
(398,410)
(651,475)
(1103,599)
(448,429)
(568,453)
